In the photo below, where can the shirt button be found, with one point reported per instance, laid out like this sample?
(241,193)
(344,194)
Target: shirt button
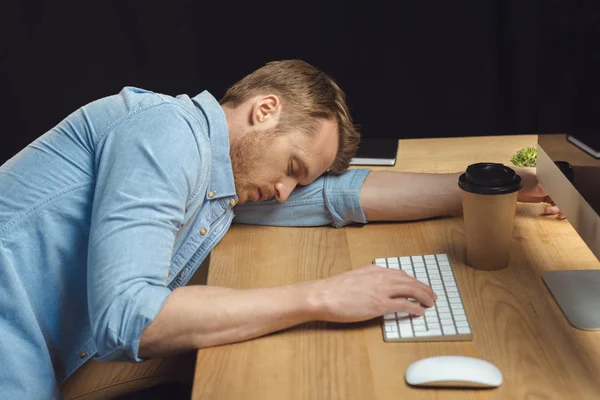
(168,274)
(83,354)
(232,202)
(203,231)
(211,195)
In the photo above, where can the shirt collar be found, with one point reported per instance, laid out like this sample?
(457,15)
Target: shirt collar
(221,174)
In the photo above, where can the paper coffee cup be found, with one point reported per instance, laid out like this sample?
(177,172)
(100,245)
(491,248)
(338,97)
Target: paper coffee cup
(489,199)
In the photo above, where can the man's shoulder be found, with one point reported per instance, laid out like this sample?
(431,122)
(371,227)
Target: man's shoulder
(132,102)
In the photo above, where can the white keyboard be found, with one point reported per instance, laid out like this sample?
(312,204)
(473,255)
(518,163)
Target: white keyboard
(446,320)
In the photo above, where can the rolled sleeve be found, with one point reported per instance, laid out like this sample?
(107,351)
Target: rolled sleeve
(120,339)
(147,169)
(342,197)
(330,200)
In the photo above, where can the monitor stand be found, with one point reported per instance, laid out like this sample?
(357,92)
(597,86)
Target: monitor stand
(578,295)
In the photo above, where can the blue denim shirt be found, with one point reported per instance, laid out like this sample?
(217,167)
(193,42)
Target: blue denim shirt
(107,213)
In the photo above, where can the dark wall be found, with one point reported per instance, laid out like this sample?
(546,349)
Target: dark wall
(410,68)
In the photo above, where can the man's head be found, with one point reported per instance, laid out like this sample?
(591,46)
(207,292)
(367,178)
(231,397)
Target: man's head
(288,124)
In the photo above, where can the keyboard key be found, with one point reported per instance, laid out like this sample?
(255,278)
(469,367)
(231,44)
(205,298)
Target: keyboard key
(392,335)
(464,331)
(390,324)
(428,333)
(456,307)
(406,332)
(449,330)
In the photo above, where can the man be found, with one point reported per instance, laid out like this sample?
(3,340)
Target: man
(105,218)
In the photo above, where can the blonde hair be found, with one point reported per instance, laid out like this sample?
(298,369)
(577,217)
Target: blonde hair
(307,95)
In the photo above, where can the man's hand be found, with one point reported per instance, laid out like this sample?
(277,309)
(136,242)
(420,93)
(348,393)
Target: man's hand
(369,292)
(533,192)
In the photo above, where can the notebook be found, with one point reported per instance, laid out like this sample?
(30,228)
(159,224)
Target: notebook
(376,152)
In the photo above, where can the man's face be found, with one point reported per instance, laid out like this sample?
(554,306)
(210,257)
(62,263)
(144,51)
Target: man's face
(268,164)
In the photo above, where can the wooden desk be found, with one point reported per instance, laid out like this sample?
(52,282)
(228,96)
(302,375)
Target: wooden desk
(516,323)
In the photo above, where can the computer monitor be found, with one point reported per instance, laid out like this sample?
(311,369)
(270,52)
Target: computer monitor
(570,174)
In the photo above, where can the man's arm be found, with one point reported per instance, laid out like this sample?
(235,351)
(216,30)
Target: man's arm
(360,195)
(405,196)
(203,316)
(146,169)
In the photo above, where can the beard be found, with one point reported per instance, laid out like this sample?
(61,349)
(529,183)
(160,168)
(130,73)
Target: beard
(247,153)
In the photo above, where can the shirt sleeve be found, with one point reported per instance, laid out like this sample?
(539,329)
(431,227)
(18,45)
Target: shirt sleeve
(330,200)
(146,169)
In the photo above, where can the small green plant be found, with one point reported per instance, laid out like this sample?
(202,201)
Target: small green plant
(525,157)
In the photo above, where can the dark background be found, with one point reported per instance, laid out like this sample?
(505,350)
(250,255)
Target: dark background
(410,68)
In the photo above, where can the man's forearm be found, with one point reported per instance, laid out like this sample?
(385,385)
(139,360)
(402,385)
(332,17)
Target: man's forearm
(203,316)
(407,196)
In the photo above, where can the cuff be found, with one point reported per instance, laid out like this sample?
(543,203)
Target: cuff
(342,197)
(123,343)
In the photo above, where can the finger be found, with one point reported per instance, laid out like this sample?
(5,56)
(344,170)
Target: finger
(414,290)
(409,280)
(561,216)
(552,210)
(404,305)
(399,272)
(401,277)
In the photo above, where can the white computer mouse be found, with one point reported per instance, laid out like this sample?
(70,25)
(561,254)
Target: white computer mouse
(453,371)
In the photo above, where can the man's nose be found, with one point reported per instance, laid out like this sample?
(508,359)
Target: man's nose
(284,189)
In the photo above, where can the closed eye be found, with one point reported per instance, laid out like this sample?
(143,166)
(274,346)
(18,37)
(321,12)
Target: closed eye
(292,170)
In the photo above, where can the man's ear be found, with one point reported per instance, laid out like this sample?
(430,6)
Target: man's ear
(266,109)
